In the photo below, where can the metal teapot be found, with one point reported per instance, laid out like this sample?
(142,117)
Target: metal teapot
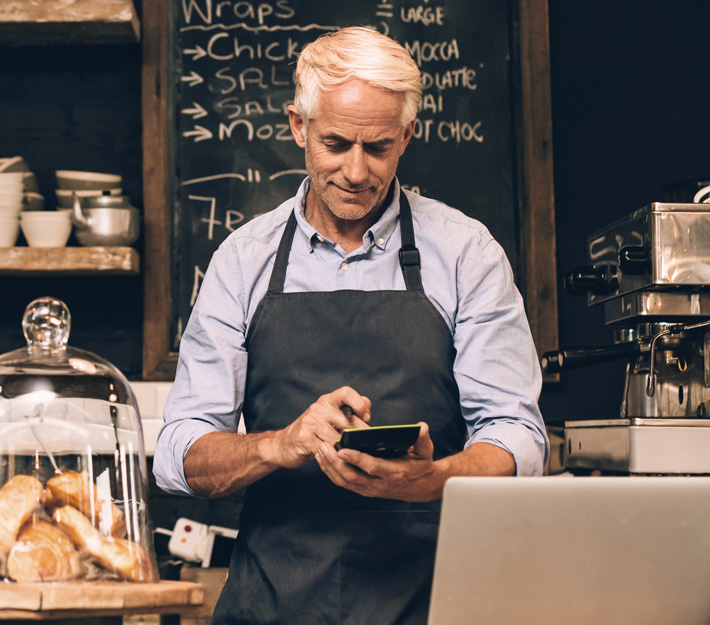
(105,220)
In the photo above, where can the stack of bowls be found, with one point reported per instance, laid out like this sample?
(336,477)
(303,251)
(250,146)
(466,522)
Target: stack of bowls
(85,184)
(33,199)
(11,203)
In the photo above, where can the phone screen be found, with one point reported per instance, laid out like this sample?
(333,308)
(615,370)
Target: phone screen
(386,441)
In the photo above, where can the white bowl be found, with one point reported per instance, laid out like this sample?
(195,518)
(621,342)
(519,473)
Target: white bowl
(67,179)
(12,178)
(33,202)
(46,228)
(13,163)
(10,211)
(65,197)
(56,216)
(29,182)
(9,229)
(10,188)
(11,198)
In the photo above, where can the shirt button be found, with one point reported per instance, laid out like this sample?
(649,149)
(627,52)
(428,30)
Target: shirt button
(380,241)
(345,266)
(320,238)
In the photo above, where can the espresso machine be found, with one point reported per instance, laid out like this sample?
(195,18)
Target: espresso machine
(650,271)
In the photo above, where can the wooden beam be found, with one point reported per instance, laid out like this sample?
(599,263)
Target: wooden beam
(159,362)
(538,192)
(47,22)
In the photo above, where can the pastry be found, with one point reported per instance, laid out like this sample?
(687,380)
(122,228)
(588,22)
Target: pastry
(122,556)
(18,499)
(76,489)
(42,553)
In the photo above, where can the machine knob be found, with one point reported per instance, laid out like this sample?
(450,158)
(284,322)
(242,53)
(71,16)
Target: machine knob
(551,362)
(597,280)
(634,260)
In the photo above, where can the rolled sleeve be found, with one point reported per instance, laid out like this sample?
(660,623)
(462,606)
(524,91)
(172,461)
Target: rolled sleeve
(209,382)
(527,446)
(497,368)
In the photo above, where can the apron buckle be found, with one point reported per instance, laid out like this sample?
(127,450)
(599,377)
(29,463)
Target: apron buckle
(409,256)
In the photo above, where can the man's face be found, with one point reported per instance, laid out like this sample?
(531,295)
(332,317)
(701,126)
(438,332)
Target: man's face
(352,148)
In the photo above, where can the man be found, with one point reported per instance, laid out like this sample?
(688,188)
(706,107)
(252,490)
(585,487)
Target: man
(353,293)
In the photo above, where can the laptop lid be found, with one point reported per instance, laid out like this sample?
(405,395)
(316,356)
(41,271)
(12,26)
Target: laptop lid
(573,551)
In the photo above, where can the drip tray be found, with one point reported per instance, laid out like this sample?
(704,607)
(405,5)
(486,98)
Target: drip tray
(639,446)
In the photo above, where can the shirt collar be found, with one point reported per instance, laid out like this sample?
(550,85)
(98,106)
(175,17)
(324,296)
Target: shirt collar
(378,234)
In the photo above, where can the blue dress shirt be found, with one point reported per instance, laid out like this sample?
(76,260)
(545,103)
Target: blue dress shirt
(465,274)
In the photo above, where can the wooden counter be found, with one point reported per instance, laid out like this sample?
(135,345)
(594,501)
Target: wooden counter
(77,600)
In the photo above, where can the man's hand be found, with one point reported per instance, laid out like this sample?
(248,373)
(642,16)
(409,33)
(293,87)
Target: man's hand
(320,424)
(221,463)
(410,478)
(415,477)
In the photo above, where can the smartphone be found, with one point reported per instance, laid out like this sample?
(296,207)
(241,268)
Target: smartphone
(383,441)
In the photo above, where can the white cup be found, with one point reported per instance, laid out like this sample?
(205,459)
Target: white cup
(33,201)
(9,229)
(46,228)
(11,198)
(12,182)
(11,210)
(11,189)
(13,163)
(12,177)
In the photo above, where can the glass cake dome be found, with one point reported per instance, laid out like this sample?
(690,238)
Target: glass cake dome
(73,472)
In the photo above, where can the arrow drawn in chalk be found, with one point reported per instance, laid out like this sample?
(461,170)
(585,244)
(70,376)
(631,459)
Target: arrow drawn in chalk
(197,52)
(193,79)
(197,111)
(200,133)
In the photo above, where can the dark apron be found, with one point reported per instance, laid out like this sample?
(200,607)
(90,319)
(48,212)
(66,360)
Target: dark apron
(309,552)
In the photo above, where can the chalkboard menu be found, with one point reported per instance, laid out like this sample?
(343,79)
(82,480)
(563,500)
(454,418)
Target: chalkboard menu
(218,76)
(233,79)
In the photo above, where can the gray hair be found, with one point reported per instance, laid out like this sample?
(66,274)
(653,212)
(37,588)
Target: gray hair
(356,52)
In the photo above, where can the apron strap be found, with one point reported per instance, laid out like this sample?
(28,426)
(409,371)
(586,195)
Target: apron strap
(278,274)
(409,259)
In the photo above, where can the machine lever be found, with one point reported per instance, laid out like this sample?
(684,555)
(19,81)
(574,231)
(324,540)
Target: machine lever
(597,280)
(575,357)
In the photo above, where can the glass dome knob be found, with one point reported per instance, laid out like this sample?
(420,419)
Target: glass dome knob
(46,324)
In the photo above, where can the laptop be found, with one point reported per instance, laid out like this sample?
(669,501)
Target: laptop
(573,551)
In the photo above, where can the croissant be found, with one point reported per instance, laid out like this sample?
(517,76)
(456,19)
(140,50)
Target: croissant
(42,553)
(18,498)
(122,556)
(76,489)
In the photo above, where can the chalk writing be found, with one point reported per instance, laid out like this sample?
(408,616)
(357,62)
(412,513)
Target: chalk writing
(423,15)
(235,156)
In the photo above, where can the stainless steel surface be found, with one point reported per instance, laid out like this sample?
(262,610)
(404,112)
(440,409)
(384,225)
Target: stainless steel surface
(106,220)
(639,446)
(675,238)
(665,305)
(651,271)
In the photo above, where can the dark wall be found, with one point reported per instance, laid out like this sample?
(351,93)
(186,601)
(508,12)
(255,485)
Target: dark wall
(631,114)
(76,107)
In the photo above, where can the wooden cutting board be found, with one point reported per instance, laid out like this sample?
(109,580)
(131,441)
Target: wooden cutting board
(91,599)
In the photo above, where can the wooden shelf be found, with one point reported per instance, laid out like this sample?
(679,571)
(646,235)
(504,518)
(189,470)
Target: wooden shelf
(75,261)
(77,600)
(47,22)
